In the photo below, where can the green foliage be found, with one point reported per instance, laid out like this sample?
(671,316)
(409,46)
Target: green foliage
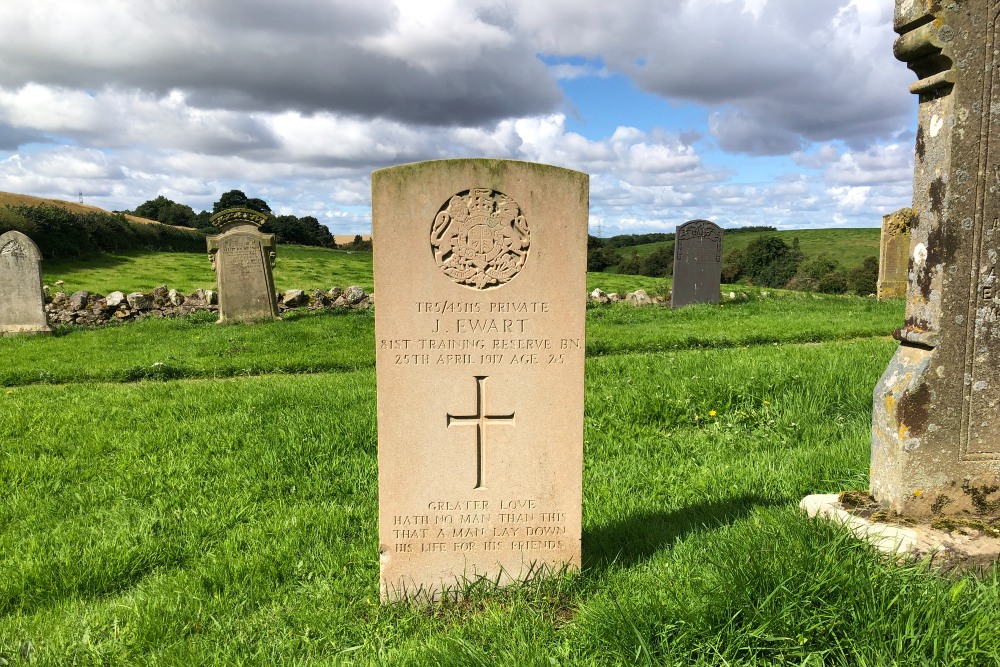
(631,265)
(769,262)
(659,263)
(732,266)
(62,234)
(863,279)
(302,231)
(237,199)
(819,274)
(599,258)
(166,211)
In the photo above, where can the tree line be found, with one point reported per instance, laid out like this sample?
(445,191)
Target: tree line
(305,230)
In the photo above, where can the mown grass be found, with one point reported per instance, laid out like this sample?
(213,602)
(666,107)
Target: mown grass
(204,519)
(296,267)
(847,246)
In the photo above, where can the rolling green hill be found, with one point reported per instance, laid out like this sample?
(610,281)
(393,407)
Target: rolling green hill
(848,246)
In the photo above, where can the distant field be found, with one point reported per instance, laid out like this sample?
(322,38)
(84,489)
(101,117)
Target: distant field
(298,267)
(12,199)
(848,246)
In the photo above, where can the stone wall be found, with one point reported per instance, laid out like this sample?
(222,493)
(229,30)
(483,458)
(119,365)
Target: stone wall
(92,309)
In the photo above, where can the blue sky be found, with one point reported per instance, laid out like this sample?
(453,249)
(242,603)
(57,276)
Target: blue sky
(791,113)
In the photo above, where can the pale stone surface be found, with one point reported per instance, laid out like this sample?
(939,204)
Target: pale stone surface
(479,270)
(894,254)
(965,549)
(697,264)
(639,298)
(935,422)
(22,301)
(242,258)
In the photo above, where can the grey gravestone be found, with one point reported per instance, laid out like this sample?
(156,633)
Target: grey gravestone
(697,264)
(22,301)
(479,270)
(936,416)
(242,258)
(894,254)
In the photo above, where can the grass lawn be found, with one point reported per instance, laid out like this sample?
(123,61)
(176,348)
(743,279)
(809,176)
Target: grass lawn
(221,507)
(296,267)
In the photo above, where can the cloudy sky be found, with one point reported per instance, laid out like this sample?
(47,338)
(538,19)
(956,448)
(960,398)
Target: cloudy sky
(791,113)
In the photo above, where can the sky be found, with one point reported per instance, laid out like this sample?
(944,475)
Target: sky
(790,113)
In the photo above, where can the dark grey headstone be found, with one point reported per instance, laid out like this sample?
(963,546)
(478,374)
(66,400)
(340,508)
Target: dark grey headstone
(22,301)
(697,264)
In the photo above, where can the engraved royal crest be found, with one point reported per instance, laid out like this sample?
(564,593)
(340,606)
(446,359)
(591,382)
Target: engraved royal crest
(13,249)
(480,239)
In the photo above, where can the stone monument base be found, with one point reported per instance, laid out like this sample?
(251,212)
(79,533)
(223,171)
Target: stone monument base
(14,330)
(949,543)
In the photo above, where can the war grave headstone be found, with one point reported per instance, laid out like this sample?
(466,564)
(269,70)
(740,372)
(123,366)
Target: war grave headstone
(242,258)
(22,301)
(697,264)
(935,441)
(480,272)
(894,254)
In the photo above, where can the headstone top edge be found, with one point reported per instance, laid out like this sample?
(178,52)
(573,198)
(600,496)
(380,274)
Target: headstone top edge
(490,164)
(232,217)
(22,238)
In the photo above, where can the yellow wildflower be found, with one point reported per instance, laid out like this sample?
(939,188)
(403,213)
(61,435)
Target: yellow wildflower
(711,413)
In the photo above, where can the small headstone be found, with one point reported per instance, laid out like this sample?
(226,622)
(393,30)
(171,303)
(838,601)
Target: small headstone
(479,269)
(22,301)
(697,264)
(894,254)
(936,415)
(242,258)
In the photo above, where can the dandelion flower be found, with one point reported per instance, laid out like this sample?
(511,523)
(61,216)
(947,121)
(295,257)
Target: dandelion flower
(712,413)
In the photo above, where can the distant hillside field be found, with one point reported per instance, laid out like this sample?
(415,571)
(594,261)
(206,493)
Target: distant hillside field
(12,199)
(848,246)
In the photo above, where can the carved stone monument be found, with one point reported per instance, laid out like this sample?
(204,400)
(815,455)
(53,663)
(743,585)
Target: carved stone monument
(242,258)
(936,420)
(22,301)
(894,254)
(480,272)
(697,264)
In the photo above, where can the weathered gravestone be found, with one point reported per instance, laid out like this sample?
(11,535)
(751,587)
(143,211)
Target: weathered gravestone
(697,264)
(22,301)
(480,272)
(936,420)
(894,254)
(242,258)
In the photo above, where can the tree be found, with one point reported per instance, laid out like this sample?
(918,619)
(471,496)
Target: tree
(630,265)
(732,266)
(237,199)
(769,262)
(150,209)
(659,263)
(863,279)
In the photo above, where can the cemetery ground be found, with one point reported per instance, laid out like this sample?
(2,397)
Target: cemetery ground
(175,493)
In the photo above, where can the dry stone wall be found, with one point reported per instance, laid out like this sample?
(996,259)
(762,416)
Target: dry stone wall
(93,309)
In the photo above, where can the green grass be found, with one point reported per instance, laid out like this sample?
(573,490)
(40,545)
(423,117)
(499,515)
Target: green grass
(848,246)
(298,267)
(223,508)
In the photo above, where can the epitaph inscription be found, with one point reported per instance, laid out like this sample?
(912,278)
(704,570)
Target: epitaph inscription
(480,383)
(697,264)
(22,301)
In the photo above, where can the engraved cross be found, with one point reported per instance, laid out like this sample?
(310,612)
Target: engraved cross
(480,420)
